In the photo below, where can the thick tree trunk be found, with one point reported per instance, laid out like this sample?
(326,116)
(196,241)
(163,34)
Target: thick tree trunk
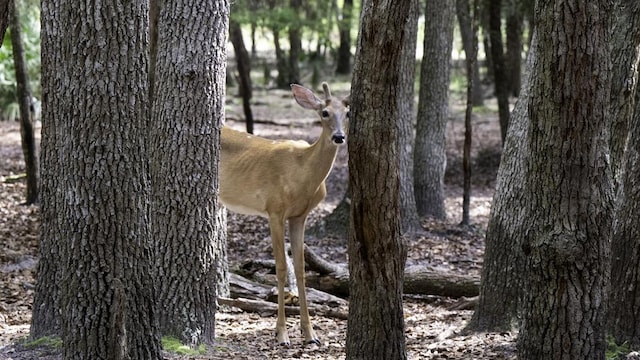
(45,318)
(433,110)
(185,134)
(623,320)
(503,265)
(410,222)
(570,182)
(101,192)
(25,102)
(376,250)
(624,80)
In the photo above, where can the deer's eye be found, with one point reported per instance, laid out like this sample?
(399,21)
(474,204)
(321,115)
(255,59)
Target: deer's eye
(348,115)
(325,113)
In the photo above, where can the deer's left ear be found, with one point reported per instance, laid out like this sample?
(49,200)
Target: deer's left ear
(306,98)
(347,100)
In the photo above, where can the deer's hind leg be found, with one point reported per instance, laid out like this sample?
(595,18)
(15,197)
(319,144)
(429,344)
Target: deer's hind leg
(276,225)
(296,234)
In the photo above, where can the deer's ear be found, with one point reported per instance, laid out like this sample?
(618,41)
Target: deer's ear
(347,100)
(306,98)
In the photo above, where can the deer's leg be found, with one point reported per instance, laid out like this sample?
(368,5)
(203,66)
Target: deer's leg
(296,233)
(276,225)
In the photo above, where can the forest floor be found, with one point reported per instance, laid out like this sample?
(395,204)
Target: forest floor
(433,330)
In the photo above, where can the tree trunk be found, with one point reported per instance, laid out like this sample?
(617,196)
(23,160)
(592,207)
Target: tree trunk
(45,318)
(623,320)
(295,44)
(514,46)
(410,222)
(472,56)
(5,9)
(624,80)
(464,22)
(503,265)
(501,80)
(343,59)
(186,117)
(244,71)
(433,109)
(570,182)
(25,102)
(376,251)
(102,192)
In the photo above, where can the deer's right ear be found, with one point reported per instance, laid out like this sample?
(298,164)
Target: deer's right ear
(306,98)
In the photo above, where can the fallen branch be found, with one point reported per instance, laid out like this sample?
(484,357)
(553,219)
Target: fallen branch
(265,308)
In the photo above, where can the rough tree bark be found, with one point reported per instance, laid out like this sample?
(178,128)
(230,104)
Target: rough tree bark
(186,118)
(376,250)
(623,320)
(100,192)
(570,183)
(433,109)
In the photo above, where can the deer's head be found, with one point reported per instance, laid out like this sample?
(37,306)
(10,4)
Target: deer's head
(333,112)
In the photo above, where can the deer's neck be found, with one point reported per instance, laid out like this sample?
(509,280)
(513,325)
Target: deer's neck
(322,155)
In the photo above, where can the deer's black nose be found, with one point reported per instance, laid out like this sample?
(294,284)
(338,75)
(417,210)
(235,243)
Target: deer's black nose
(338,139)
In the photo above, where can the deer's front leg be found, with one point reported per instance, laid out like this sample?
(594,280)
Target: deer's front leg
(296,233)
(276,226)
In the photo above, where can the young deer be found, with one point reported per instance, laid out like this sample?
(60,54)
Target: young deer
(284,180)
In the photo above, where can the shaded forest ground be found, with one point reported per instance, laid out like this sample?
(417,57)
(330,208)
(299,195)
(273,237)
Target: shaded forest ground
(433,331)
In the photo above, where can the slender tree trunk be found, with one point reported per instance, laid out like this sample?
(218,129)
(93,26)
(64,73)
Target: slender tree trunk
(472,55)
(244,72)
(408,211)
(5,10)
(501,80)
(377,253)
(514,46)
(569,177)
(186,117)
(464,22)
(25,102)
(344,49)
(433,110)
(295,44)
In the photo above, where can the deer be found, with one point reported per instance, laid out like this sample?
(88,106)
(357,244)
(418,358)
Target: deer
(283,180)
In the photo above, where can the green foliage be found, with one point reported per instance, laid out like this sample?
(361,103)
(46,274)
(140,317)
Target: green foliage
(49,341)
(174,345)
(615,351)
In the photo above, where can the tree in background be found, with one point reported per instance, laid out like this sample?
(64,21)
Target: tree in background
(343,59)
(186,116)
(568,177)
(433,110)
(463,14)
(27,110)
(376,250)
(96,198)
(5,9)
(408,211)
(500,74)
